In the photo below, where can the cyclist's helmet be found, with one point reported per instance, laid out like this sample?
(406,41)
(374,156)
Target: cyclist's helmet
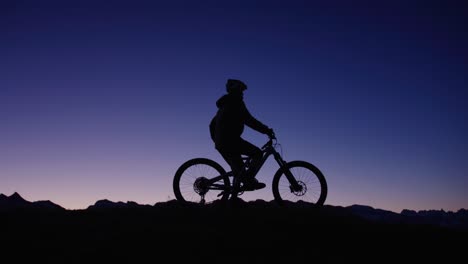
(233,85)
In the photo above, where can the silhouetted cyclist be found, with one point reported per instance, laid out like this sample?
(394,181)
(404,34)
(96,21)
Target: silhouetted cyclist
(226,129)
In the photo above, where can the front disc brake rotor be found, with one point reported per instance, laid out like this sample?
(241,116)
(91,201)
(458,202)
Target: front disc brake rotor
(300,190)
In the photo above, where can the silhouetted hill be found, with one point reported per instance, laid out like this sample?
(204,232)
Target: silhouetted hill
(234,232)
(16,202)
(106,204)
(441,218)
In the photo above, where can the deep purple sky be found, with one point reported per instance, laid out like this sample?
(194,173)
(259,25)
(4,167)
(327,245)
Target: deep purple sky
(105,99)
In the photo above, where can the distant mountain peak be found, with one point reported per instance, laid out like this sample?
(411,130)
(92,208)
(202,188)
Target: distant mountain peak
(16,196)
(47,205)
(15,201)
(106,204)
(359,206)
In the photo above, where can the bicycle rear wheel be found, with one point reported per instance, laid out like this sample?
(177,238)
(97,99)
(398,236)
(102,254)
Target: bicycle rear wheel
(192,181)
(312,184)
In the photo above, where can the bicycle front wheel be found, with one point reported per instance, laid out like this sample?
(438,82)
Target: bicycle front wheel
(193,181)
(311,188)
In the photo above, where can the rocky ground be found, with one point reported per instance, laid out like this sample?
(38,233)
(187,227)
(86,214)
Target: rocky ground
(259,232)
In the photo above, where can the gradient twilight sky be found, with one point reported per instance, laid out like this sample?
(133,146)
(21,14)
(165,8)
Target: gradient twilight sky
(105,99)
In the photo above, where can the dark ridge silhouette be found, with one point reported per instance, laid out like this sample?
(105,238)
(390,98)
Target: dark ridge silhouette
(440,218)
(233,232)
(16,202)
(373,214)
(106,204)
(457,220)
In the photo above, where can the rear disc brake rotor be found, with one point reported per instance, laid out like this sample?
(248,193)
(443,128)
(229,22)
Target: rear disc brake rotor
(200,185)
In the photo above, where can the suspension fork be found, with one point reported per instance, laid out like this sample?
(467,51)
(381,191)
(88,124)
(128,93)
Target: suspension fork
(292,180)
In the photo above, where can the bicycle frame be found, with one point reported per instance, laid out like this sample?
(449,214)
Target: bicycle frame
(267,150)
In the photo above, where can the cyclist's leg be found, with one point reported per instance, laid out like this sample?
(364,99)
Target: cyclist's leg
(232,156)
(249,149)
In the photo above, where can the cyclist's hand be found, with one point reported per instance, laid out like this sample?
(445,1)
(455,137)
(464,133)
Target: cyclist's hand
(271,133)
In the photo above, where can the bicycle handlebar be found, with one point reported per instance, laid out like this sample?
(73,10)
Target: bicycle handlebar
(270,141)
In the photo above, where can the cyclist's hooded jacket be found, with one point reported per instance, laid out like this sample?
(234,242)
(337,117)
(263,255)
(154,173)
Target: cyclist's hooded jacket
(227,125)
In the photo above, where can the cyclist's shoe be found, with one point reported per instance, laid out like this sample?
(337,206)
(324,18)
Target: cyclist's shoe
(252,184)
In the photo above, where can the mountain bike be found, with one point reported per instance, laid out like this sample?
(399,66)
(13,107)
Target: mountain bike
(202,180)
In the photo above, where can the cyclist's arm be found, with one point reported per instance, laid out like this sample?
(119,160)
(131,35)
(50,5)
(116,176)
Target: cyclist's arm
(253,123)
